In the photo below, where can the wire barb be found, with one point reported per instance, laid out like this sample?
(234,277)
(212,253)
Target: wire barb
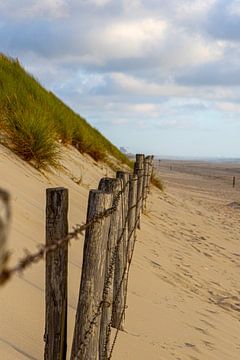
(32,258)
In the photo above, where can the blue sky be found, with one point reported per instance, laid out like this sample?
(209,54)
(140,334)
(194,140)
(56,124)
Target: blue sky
(154,76)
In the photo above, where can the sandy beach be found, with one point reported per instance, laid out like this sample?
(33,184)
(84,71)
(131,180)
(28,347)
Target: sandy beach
(183,295)
(184,298)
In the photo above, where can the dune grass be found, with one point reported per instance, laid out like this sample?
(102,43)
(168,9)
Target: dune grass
(156,181)
(33,121)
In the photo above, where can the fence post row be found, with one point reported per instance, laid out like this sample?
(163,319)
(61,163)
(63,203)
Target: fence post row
(119,285)
(55,336)
(108,250)
(85,344)
(139,171)
(109,185)
(4,226)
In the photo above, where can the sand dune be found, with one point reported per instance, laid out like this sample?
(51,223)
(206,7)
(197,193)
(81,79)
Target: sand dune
(183,298)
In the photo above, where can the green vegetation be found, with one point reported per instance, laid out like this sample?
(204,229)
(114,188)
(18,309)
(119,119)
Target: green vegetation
(34,121)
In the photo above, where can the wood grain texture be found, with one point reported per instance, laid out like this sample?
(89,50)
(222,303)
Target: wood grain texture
(56,275)
(112,186)
(139,171)
(119,288)
(132,202)
(87,326)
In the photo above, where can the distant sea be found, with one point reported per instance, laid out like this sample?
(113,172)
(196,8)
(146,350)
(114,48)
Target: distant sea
(199,159)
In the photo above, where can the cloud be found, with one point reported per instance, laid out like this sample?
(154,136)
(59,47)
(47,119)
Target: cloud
(143,108)
(131,39)
(228,107)
(100,2)
(32,8)
(136,64)
(223,20)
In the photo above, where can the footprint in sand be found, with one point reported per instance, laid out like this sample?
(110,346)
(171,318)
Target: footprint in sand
(208,344)
(191,346)
(208,323)
(205,332)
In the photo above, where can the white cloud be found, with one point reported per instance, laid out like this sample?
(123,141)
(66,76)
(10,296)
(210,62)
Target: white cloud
(138,87)
(234,8)
(184,49)
(143,108)
(120,121)
(228,107)
(125,39)
(32,8)
(192,9)
(100,2)
(155,41)
(123,61)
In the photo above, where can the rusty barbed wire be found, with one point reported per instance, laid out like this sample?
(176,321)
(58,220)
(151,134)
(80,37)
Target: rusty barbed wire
(108,279)
(31,258)
(107,284)
(125,274)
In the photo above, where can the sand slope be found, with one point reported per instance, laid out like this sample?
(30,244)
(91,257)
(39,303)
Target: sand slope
(184,297)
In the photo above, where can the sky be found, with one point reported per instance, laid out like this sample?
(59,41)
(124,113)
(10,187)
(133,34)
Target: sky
(154,76)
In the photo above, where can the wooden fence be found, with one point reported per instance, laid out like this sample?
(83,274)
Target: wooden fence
(113,216)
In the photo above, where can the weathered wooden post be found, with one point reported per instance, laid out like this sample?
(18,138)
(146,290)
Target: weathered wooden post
(132,215)
(139,171)
(87,324)
(234,181)
(56,275)
(119,287)
(4,226)
(112,186)
(146,172)
(150,171)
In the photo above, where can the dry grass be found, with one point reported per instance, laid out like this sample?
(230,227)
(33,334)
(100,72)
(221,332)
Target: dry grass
(156,181)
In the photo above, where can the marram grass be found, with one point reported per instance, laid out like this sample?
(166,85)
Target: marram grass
(156,181)
(33,121)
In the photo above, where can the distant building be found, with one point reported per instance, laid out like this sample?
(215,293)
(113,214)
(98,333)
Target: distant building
(123,150)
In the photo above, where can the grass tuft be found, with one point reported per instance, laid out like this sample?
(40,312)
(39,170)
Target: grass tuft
(156,181)
(32,138)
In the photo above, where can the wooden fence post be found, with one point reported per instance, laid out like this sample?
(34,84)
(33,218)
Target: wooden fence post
(150,171)
(113,186)
(56,275)
(139,171)
(146,168)
(119,287)
(132,215)
(234,181)
(4,226)
(87,324)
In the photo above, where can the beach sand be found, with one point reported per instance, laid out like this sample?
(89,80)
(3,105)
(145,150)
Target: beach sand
(183,293)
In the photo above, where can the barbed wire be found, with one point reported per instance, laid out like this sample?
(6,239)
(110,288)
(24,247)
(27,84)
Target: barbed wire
(108,279)
(125,274)
(107,284)
(31,258)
